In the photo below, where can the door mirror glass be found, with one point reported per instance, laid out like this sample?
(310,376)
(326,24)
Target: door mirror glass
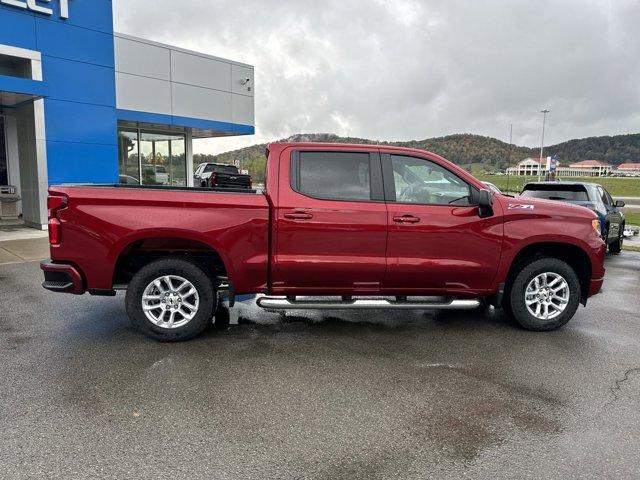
(485,203)
(619,203)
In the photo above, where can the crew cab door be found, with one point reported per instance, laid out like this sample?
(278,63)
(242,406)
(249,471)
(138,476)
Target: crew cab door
(436,241)
(331,222)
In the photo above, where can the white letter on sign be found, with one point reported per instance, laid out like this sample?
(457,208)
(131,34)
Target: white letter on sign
(37,8)
(15,3)
(64,8)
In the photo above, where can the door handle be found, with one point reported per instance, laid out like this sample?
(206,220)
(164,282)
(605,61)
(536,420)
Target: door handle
(406,219)
(298,216)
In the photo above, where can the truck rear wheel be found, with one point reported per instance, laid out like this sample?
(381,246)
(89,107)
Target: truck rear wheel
(170,300)
(545,294)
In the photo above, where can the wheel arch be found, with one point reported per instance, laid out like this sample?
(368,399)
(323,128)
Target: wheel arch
(142,249)
(575,256)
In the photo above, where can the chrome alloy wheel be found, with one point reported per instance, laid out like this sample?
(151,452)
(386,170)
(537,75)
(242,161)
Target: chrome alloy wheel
(547,295)
(170,301)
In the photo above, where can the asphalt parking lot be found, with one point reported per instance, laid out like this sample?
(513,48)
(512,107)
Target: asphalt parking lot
(327,395)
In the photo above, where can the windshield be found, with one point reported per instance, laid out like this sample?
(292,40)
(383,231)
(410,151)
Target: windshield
(221,169)
(569,193)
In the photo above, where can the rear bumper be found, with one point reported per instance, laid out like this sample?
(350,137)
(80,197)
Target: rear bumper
(62,278)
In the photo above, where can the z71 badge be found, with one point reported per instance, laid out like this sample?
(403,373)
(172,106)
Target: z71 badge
(519,206)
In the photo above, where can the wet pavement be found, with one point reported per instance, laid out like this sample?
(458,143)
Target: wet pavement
(322,395)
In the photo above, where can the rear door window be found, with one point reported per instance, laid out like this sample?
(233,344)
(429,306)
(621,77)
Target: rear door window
(332,175)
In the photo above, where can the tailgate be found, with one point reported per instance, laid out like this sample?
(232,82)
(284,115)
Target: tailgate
(233,180)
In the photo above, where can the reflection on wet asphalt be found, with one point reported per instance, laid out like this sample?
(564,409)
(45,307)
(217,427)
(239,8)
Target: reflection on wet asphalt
(335,394)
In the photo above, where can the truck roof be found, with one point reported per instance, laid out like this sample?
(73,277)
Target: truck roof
(331,145)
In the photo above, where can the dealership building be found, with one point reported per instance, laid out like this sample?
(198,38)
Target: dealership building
(82,104)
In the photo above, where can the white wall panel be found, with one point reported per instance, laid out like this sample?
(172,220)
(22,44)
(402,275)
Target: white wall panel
(238,75)
(143,94)
(200,71)
(139,58)
(203,103)
(242,109)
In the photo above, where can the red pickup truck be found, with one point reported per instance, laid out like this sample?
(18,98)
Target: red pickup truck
(338,226)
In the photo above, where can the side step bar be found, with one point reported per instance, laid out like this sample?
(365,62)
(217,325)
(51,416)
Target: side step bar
(289,303)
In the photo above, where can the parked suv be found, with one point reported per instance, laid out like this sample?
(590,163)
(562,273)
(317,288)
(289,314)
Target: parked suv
(591,195)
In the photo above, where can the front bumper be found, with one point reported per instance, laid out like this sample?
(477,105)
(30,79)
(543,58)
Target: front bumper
(595,286)
(62,278)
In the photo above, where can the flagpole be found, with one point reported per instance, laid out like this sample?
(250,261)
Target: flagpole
(509,155)
(544,119)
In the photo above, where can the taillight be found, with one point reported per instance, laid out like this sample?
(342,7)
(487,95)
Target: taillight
(55,232)
(55,203)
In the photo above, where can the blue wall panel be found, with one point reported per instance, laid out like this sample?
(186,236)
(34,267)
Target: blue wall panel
(79,82)
(92,14)
(17,29)
(62,40)
(79,122)
(82,163)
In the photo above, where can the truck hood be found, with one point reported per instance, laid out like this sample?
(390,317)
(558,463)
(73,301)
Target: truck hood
(546,207)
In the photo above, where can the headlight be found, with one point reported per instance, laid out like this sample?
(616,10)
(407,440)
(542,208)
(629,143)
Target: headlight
(596,226)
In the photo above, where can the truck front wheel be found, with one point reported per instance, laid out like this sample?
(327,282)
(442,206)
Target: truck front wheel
(544,295)
(170,300)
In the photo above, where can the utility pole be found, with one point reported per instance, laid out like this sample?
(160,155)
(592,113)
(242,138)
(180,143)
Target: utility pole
(509,155)
(544,119)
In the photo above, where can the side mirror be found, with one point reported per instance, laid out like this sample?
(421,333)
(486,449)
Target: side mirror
(619,203)
(485,204)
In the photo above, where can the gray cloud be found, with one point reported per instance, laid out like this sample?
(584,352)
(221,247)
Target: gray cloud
(404,69)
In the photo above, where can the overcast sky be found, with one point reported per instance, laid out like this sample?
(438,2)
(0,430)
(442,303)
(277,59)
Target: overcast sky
(404,69)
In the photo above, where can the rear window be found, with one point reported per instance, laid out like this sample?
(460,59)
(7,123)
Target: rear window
(221,169)
(570,193)
(333,175)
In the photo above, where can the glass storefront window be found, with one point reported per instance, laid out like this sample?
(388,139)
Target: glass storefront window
(129,165)
(161,158)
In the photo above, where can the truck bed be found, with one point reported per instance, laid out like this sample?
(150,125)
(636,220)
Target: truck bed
(101,222)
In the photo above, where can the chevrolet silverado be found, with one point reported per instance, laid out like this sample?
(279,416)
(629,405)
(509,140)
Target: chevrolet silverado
(338,226)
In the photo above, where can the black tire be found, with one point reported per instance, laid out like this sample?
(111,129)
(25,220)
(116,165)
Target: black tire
(517,307)
(616,247)
(182,268)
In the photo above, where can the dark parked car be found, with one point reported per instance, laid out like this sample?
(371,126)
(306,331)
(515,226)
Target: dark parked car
(590,195)
(220,175)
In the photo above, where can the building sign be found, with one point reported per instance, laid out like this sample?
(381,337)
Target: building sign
(37,6)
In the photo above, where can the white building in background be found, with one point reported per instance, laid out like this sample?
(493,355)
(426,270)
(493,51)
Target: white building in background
(628,169)
(531,166)
(534,166)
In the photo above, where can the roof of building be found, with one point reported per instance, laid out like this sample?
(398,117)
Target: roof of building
(629,166)
(539,160)
(589,163)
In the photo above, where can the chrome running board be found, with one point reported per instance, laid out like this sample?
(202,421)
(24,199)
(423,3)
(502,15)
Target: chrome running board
(290,303)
